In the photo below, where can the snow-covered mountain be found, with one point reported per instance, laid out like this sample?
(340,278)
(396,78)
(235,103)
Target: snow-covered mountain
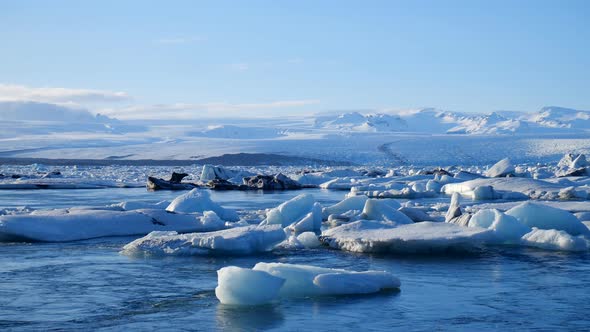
(419,136)
(35,118)
(548,119)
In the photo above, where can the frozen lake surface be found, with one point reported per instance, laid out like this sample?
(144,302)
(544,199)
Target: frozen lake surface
(88,285)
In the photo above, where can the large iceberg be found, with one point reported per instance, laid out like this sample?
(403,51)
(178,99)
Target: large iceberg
(237,241)
(422,237)
(268,281)
(79,224)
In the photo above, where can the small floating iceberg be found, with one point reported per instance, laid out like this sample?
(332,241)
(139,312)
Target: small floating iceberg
(236,241)
(422,237)
(300,214)
(267,282)
(198,200)
(552,239)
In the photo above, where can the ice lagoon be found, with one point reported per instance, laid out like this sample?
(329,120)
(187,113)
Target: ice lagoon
(90,284)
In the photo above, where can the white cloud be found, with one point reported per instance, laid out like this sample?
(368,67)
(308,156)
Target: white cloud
(13,92)
(205,110)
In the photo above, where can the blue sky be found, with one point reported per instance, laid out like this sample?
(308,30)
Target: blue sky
(290,57)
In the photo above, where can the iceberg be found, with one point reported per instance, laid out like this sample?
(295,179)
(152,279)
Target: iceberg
(267,282)
(422,237)
(300,213)
(535,189)
(348,204)
(386,210)
(237,241)
(552,239)
(546,217)
(72,225)
(241,286)
(502,168)
(506,228)
(198,200)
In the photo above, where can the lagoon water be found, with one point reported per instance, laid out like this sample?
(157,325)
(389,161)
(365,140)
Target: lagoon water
(88,285)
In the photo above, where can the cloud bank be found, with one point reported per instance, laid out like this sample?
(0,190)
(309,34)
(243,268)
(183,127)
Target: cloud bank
(206,110)
(13,92)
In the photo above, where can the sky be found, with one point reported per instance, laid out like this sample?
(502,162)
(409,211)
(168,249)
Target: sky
(153,59)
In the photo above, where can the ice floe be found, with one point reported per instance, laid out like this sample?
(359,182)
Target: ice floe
(547,217)
(198,200)
(422,237)
(268,282)
(300,214)
(551,239)
(71,225)
(236,241)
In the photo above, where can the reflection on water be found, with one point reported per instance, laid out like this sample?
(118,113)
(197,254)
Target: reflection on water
(250,318)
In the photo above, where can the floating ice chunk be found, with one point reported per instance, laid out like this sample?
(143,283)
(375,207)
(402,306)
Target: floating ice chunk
(72,225)
(302,212)
(530,187)
(432,185)
(384,209)
(239,241)
(573,161)
(502,168)
(198,200)
(356,282)
(339,184)
(211,172)
(483,218)
(422,237)
(312,179)
(454,214)
(348,204)
(311,222)
(309,240)
(554,240)
(266,282)
(507,228)
(483,193)
(306,280)
(240,286)
(547,217)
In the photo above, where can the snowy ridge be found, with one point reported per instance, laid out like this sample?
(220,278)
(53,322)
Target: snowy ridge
(428,120)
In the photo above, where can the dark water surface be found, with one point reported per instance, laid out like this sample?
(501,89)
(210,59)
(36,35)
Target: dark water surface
(89,286)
